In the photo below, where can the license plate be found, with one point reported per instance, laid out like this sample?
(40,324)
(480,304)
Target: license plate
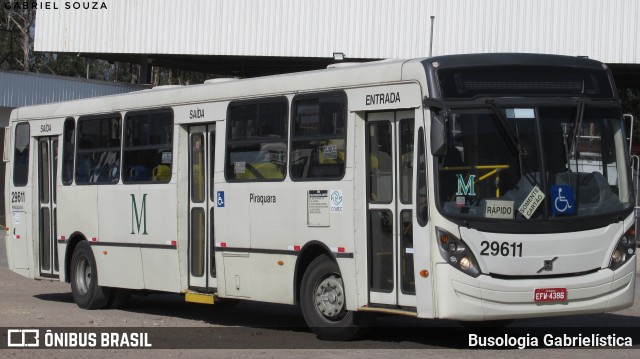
(550,295)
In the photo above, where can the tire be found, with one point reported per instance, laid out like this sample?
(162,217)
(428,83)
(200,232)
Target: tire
(323,305)
(119,298)
(84,279)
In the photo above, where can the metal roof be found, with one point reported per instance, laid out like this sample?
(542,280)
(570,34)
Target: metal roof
(606,30)
(27,88)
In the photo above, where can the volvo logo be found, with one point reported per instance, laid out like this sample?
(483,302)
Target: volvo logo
(548,265)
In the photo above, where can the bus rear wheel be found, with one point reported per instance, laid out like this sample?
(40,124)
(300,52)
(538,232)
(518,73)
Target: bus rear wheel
(84,279)
(322,300)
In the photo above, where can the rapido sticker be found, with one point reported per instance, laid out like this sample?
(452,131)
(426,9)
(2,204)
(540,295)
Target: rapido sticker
(499,209)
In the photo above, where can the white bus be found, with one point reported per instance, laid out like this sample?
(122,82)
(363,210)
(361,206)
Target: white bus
(443,187)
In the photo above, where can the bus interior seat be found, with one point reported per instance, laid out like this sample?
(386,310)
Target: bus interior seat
(139,173)
(590,187)
(83,172)
(161,173)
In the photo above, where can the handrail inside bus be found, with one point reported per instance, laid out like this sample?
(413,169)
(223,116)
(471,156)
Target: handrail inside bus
(495,170)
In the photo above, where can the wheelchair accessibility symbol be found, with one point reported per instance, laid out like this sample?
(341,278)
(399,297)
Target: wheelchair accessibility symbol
(220,199)
(562,199)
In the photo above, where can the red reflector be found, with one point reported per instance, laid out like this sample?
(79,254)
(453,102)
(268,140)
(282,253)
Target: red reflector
(94,239)
(340,249)
(296,248)
(173,243)
(62,238)
(223,244)
(17,236)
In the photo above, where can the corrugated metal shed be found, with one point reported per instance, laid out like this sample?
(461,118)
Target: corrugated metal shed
(27,88)
(607,30)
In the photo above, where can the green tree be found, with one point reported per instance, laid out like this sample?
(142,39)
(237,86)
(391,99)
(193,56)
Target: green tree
(17,26)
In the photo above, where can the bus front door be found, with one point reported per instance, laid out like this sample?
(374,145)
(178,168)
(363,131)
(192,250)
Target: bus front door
(202,266)
(389,146)
(47,211)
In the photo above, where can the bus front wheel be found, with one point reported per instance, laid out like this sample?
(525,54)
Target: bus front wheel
(322,300)
(84,279)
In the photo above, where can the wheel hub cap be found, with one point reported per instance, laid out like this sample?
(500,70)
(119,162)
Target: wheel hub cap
(329,297)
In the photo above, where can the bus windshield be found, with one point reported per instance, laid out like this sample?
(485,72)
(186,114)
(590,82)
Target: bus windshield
(527,163)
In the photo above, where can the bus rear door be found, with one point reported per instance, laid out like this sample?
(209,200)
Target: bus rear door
(202,267)
(47,157)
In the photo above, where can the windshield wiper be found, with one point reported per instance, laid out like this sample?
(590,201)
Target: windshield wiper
(512,136)
(577,125)
(573,129)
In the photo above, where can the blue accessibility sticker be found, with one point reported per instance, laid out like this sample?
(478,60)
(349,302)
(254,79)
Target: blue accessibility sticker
(220,199)
(562,200)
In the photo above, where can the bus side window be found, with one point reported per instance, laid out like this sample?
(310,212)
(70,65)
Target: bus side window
(68,149)
(257,140)
(421,183)
(318,137)
(148,147)
(98,153)
(21,155)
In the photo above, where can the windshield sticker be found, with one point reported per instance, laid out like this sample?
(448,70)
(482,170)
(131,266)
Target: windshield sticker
(461,201)
(166,157)
(563,200)
(531,203)
(239,167)
(330,152)
(466,188)
(499,209)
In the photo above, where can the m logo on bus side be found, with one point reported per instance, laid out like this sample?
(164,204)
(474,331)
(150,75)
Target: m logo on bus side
(138,219)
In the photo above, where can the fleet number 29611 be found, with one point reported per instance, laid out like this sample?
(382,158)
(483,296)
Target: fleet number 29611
(504,249)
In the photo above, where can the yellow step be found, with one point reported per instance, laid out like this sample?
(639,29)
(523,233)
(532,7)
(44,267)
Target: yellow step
(201,298)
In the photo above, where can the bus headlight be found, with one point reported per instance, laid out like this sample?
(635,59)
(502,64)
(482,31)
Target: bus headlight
(465,263)
(625,249)
(456,253)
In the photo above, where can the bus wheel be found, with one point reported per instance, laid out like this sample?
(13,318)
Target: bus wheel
(322,300)
(84,279)
(119,298)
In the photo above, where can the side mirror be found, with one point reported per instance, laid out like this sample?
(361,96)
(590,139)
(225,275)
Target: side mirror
(438,139)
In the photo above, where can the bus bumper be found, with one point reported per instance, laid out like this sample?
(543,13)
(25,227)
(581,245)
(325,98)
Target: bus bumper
(461,297)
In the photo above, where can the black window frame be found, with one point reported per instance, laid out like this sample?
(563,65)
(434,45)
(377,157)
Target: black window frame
(292,137)
(66,150)
(24,175)
(131,148)
(228,166)
(422,199)
(107,116)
